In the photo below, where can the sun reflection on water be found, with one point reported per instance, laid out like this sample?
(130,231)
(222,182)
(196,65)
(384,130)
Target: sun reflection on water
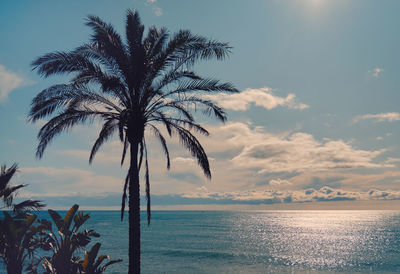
(319,240)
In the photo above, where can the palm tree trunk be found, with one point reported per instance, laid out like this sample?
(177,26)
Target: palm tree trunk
(134,212)
(14,266)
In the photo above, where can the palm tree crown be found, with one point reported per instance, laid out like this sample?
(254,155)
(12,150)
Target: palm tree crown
(131,86)
(8,192)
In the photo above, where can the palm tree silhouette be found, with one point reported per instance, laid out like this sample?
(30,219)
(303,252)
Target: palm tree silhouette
(132,87)
(17,241)
(8,193)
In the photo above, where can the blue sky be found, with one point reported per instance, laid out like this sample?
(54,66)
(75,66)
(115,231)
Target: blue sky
(317,118)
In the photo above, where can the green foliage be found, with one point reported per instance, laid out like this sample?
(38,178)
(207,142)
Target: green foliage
(67,241)
(18,230)
(20,238)
(93,266)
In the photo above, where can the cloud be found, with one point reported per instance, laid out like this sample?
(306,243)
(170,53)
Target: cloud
(376,72)
(263,97)
(298,196)
(380,117)
(204,197)
(242,156)
(157,10)
(277,182)
(100,157)
(257,149)
(67,181)
(9,81)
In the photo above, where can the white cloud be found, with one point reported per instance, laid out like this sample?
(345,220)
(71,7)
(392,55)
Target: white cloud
(392,160)
(380,117)
(288,152)
(263,97)
(183,160)
(68,181)
(157,10)
(9,81)
(101,157)
(376,72)
(306,195)
(243,156)
(277,182)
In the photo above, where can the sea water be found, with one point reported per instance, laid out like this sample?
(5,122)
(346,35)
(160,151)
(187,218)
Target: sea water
(256,242)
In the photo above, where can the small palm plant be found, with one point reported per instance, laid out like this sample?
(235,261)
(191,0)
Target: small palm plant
(18,230)
(19,241)
(91,265)
(69,241)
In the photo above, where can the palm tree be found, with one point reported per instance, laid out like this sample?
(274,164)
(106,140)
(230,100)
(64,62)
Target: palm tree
(17,241)
(71,238)
(131,86)
(8,192)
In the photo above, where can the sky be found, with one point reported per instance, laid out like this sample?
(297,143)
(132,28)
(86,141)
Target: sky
(316,122)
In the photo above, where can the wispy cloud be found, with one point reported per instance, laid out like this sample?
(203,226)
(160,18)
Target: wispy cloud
(263,97)
(156,9)
(67,181)
(376,72)
(277,182)
(9,81)
(380,117)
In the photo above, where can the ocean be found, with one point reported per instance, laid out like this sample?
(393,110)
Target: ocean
(256,241)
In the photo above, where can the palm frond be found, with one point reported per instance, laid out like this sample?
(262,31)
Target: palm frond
(28,205)
(6,174)
(174,76)
(63,122)
(106,132)
(174,105)
(147,179)
(61,96)
(205,85)
(190,125)
(109,42)
(154,42)
(163,143)
(190,142)
(134,36)
(94,52)
(59,62)
(134,31)
(126,145)
(208,107)
(124,197)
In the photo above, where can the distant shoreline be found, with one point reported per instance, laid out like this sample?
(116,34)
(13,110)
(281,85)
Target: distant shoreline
(328,205)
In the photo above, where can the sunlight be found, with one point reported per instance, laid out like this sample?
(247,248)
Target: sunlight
(315,10)
(315,5)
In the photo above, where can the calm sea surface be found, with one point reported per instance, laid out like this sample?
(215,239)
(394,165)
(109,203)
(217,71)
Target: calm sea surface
(257,242)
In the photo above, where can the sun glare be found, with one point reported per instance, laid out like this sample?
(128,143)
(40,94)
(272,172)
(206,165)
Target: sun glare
(315,4)
(314,9)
